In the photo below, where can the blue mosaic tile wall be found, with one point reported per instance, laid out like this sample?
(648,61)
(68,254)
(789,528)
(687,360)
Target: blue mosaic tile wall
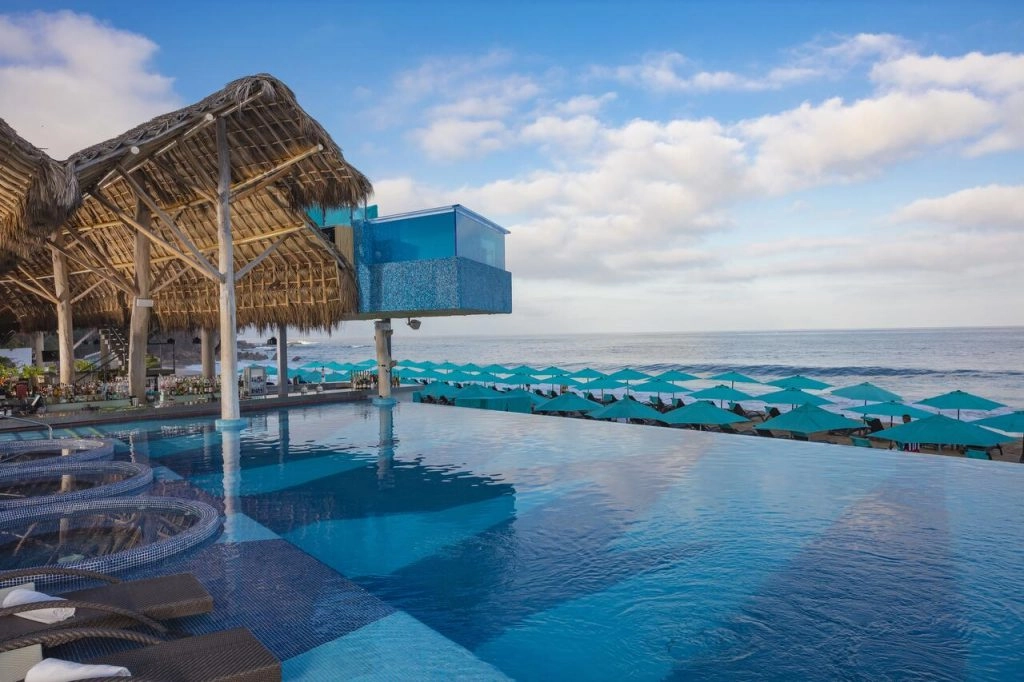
(442,285)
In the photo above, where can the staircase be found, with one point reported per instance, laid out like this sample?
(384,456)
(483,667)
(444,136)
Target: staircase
(117,345)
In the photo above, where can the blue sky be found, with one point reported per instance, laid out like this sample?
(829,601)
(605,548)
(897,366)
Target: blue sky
(662,166)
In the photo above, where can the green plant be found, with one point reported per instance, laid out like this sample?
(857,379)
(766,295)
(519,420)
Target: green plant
(152,362)
(84,366)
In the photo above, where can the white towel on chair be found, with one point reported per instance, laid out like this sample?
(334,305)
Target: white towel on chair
(19,597)
(57,670)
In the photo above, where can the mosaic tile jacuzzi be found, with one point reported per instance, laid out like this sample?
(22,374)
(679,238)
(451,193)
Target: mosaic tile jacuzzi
(427,542)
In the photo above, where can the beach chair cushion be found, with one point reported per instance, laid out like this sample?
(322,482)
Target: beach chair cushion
(860,442)
(972,453)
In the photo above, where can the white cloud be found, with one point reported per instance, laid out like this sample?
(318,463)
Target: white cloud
(992,73)
(53,64)
(584,104)
(837,142)
(456,138)
(994,207)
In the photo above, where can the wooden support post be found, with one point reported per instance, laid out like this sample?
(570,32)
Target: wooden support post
(382,339)
(65,335)
(37,349)
(206,353)
(138,335)
(282,360)
(230,413)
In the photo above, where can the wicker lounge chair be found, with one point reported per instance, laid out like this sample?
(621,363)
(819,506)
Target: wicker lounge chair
(117,604)
(229,655)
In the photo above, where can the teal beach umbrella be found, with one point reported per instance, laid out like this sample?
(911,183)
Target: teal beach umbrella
(942,430)
(659,387)
(588,373)
(867,392)
(1011,423)
(701,413)
(960,400)
(520,379)
(733,377)
(792,396)
(627,408)
(676,375)
(475,391)
(807,419)
(439,390)
(798,381)
(890,409)
(606,384)
(568,402)
(496,369)
(523,369)
(628,374)
(723,393)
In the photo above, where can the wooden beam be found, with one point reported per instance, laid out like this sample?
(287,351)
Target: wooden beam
(243,271)
(88,290)
(138,332)
(229,407)
(265,178)
(169,281)
(155,237)
(39,285)
(95,267)
(141,194)
(38,292)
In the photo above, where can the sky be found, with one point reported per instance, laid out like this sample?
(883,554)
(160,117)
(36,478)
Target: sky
(662,166)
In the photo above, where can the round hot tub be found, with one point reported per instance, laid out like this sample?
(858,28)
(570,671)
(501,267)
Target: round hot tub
(46,451)
(107,535)
(23,486)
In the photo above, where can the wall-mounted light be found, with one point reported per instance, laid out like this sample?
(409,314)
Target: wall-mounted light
(414,324)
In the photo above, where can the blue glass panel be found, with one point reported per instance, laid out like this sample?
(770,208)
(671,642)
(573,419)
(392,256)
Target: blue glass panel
(341,216)
(425,237)
(478,241)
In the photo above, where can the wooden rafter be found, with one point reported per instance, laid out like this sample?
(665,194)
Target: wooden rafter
(96,266)
(166,219)
(212,274)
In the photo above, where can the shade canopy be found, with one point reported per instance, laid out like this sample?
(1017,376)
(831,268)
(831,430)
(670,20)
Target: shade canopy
(792,396)
(486,378)
(439,390)
(522,369)
(447,365)
(551,371)
(519,379)
(807,419)
(470,367)
(628,374)
(568,402)
(866,391)
(588,373)
(733,377)
(476,391)
(1012,422)
(606,384)
(496,369)
(626,408)
(890,409)
(676,375)
(702,413)
(942,430)
(658,386)
(960,400)
(721,392)
(798,381)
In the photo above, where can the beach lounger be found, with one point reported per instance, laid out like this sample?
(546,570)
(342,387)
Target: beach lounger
(859,442)
(116,604)
(971,453)
(728,428)
(226,656)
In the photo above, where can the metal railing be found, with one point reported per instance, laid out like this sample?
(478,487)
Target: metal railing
(29,421)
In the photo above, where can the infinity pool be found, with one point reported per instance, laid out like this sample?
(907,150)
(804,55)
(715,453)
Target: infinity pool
(431,542)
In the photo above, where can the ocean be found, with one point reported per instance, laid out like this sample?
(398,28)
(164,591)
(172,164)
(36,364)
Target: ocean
(915,363)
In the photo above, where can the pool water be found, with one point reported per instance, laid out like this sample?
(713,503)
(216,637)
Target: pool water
(429,542)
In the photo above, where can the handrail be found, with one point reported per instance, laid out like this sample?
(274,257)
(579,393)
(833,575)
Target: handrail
(29,421)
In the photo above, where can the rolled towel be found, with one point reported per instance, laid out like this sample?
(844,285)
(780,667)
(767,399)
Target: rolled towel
(22,596)
(57,670)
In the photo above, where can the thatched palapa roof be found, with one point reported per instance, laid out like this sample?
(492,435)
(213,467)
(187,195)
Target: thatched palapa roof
(282,163)
(36,193)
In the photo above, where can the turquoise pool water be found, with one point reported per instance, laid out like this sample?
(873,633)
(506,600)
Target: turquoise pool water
(432,542)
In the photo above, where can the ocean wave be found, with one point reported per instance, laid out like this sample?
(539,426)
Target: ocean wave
(776,370)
